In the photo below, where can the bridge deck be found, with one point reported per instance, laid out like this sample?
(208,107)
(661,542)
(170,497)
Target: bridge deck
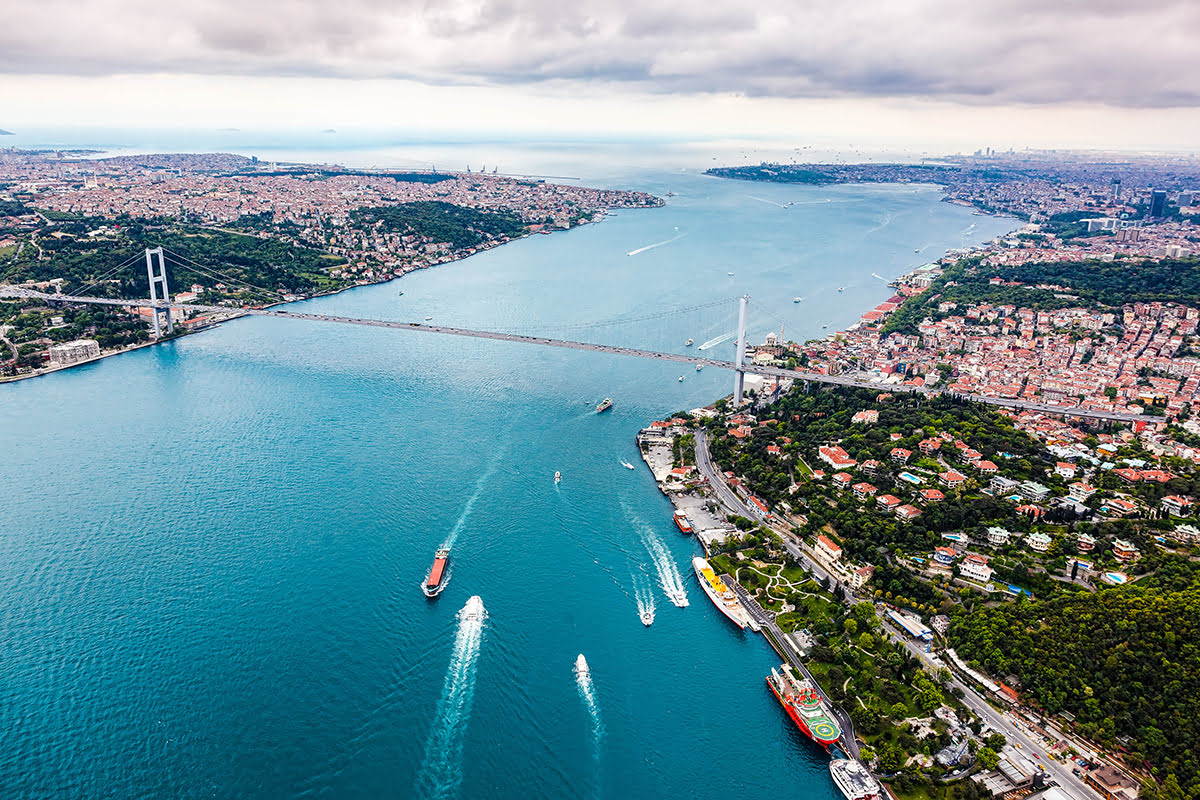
(682,358)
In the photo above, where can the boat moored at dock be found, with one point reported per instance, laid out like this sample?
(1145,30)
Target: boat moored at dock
(437,578)
(683,523)
(805,705)
(720,594)
(855,780)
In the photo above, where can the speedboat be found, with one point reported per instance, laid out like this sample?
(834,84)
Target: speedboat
(647,617)
(557,477)
(841,288)
(730,274)
(688,343)
(797,299)
(626,465)
(681,379)
(428,318)
(699,367)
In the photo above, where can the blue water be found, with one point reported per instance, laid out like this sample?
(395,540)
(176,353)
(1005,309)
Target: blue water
(210,550)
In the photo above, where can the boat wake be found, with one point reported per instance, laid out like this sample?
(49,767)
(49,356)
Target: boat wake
(765,200)
(441,770)
(716,340)
(587,693)
(656,244)
(668,574)
(470,504)
(645,600)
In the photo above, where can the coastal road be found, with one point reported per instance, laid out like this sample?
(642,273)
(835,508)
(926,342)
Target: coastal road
(778,372)
(716,480)
(1028,742)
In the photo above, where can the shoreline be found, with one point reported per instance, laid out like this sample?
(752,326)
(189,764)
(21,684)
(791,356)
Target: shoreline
(596,218)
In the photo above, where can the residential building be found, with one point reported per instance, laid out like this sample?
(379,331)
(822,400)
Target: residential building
(863,490)
(998,537)
(975,568)
(1038,542)
(829,548)
(932,495)
(1177,506)
(1111,783)
(1125,552)
(1034,491)
(1085,543)
(835,457)
(900,455)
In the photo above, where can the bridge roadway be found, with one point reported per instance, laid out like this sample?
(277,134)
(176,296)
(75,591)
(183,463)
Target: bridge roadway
(681,358)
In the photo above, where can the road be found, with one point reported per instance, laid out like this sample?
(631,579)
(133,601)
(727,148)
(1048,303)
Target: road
(777,372)
(1028,742)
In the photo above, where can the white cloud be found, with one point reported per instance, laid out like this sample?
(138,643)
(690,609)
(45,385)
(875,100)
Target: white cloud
(1005,51)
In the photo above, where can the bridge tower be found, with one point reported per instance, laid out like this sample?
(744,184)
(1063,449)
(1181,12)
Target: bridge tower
(739,374)
(156,273)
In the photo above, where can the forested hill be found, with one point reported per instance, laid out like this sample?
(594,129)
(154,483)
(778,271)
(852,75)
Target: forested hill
(1125,662)
(442,222)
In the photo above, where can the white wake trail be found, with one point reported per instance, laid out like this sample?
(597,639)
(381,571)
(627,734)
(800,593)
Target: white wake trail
(441,770)
(668,574)
(724,337)
(470,504)
(656,244)
(645,599)
(587,692)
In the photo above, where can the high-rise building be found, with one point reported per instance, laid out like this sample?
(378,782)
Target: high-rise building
(1185,199)
(1116,191)
(1158,203)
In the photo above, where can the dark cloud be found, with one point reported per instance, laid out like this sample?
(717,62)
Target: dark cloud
(1033,51)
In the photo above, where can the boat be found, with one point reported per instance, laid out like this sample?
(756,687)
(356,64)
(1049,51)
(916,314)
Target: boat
(605,405)
(824,326)
(854,779)
(647,617)
(841,288)
(428,318)
(721,595)
(681,379)
(797,299)
(473,610)
(683,523)
(436,580)
(626,465)
(557,477)
(699,367)
(688,343)
(805,705)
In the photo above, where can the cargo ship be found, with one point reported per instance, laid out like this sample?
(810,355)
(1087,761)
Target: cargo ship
(605,405)
(804,704)
(436,580)
(721,595)
(855,780)
(681,522)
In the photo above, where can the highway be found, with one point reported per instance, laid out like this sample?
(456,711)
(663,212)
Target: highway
(1028,742)
(681,358)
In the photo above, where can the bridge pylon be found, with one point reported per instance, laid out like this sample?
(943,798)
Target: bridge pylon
(156,273)
(739,372)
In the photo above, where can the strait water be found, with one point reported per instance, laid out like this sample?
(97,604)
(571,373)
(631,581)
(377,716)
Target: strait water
(210,550)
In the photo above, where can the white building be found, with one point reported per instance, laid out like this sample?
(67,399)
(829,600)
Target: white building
(73,352)
(998,537)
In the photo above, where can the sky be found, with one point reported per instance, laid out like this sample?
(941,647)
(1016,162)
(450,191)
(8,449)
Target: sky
(1001,73)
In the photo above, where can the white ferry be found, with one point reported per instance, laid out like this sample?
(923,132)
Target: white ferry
(721,595)
(855,780)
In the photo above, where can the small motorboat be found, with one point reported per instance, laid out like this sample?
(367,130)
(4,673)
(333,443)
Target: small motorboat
(626,465)
(647,617)
(557,477)
(688,343)
(428,318)
(681,379)
(699,367)
(797,299)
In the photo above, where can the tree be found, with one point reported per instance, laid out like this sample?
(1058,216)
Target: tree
(899,711)
(987,758)
(850,626)
(1171,790)
(866,641)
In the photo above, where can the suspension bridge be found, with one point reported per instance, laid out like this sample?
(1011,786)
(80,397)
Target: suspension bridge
(161,304)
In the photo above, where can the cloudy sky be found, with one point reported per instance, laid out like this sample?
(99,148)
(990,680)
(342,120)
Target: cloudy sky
(1038,72)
